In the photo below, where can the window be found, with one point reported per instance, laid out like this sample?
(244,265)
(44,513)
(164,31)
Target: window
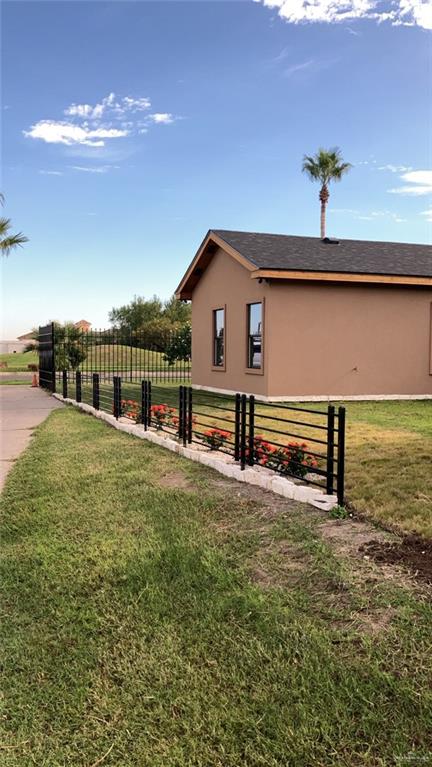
(219,337)
(254,335)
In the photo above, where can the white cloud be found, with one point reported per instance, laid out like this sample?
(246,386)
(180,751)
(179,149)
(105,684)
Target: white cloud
(416,12)
(417,183)
(427,213)
(370,216)
(51,172)
(94,168)
(91,125)
(162,118)
(59,132)
(395,168)
(299,67)
(408,12)
(79,110)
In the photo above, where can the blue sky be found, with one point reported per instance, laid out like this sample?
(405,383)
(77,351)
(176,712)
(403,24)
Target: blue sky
(129,129)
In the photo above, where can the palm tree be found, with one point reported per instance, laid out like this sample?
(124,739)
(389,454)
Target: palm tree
(325,166)
(9,242)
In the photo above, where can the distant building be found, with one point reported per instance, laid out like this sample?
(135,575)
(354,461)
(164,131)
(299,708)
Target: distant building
(83,325)
(12,347)
(27,337)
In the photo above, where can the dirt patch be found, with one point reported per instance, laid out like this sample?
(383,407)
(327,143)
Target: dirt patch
(412,552)
(348,535)
(175,479)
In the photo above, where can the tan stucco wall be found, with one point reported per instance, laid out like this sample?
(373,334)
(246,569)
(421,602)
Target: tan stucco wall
(354,340)
(225,282)
(319,339)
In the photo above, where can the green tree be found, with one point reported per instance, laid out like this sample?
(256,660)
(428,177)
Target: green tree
(179,346)
(8,242)
(133,316)
(149,323)
(70,345)
(177,311)
(156,333)
(325,166)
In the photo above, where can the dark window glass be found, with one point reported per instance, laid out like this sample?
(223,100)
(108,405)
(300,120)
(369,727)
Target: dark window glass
(218,337)
(254,335)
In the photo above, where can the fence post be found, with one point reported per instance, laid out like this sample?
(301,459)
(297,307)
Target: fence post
(78,394)
(330,448)
(243,432)
(53,357)
(184,408)
(65,384)
(237,428)
(251,435)
(180,413)
(144,404)
(117,396)
(190,416)
(341,457)
(149,402)
(96,391)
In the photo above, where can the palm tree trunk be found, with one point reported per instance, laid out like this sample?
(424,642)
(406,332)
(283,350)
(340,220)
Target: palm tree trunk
(323,196)
(323,220)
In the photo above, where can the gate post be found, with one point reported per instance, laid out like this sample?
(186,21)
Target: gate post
(243,432)
(78,389)
(237,428)
(46,351)
(251,435)
(190,415)
(96,395)
(330,449)
(180,429)
(53,358)
(341,457)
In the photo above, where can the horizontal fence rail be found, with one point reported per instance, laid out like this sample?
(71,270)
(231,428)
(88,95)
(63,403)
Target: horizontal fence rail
(304,443)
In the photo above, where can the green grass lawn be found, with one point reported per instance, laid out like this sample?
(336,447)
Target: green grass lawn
(18,362)
(157,615)
(388,453)
(16,383)
(107,357)
(122,357)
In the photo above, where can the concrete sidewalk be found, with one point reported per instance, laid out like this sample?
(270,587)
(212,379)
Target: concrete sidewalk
(21,409)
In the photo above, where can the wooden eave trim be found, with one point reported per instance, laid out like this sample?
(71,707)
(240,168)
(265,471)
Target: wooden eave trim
(381,279)
(182,291)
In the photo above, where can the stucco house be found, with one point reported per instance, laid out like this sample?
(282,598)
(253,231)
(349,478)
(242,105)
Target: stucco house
(301,318)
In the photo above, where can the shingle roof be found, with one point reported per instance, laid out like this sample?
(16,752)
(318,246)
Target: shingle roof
(280,251)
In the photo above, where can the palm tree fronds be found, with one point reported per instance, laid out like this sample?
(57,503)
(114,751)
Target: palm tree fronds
(9,242)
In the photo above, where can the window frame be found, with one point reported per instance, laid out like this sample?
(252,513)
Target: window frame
(255,370)
(214,366)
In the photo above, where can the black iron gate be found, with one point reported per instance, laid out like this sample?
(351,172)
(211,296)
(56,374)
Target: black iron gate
(46,357)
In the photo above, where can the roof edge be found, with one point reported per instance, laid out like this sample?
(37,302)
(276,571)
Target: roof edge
(201,260)
(362,278)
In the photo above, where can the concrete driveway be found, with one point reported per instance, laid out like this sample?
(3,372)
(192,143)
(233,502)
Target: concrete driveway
(21,409)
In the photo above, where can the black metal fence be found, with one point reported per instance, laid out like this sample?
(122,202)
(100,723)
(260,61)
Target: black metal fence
(293,441)
(110,353)
(46,357)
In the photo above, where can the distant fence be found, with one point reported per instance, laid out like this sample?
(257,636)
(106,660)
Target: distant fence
(110,353)
(305,443)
